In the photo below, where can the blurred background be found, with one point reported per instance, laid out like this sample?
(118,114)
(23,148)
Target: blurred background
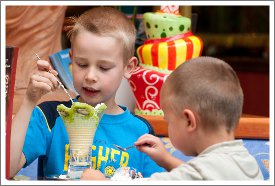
(237,34)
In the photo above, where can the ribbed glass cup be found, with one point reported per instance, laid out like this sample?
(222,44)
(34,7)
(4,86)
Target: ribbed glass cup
(81,121)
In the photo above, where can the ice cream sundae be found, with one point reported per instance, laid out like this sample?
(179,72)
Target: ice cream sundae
(81,121)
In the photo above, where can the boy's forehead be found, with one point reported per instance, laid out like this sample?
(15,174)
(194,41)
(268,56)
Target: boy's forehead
(82,33)
(93,43)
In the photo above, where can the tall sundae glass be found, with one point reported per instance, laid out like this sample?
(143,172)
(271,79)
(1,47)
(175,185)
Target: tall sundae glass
(81,121)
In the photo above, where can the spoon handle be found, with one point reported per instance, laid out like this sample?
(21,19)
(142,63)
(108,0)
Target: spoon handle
(129,147)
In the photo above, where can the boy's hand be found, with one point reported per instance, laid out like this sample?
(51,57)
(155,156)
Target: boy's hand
(153,147)
(91,174)
(41,82)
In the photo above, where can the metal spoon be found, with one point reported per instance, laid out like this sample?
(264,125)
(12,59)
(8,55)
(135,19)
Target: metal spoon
(58,81)
(123,149)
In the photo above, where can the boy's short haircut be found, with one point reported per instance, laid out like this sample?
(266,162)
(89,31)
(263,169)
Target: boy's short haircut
(209,87)
(105,21)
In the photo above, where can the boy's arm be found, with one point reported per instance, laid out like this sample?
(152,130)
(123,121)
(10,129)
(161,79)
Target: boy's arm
(170,162)
(91,174)
(153,147)
(18,133)
(40,83)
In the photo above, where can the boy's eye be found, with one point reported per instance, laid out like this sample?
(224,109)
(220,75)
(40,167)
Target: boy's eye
(82,65)
(104,68)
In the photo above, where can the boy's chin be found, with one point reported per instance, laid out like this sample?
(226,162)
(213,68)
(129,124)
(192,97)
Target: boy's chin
(88,100)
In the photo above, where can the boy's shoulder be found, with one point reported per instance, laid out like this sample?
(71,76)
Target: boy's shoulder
(49,110)
(146,122)
(49,105)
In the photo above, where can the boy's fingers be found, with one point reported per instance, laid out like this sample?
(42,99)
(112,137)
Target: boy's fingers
(54,80)
(44,80)
(54,72)
(144,141)
(146,150)
(145,137)
(40,85)
(50,76)
(43,65)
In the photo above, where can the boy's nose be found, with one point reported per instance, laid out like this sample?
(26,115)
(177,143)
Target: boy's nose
(91,76)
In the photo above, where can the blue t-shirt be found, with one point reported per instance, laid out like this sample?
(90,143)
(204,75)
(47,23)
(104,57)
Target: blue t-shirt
(47,139)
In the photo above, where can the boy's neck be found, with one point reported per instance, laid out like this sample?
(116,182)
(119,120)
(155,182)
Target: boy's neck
(207,139)
(114,110)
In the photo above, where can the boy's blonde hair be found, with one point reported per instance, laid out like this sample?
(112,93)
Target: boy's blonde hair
(105,21)
(209,87)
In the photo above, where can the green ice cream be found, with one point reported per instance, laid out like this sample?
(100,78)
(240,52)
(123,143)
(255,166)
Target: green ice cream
(80,111)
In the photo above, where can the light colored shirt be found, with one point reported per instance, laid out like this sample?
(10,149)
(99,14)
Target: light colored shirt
(224,161)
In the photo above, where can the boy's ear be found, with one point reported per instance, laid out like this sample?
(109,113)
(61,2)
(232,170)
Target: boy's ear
(71,54)
(131,65)
(190,119)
